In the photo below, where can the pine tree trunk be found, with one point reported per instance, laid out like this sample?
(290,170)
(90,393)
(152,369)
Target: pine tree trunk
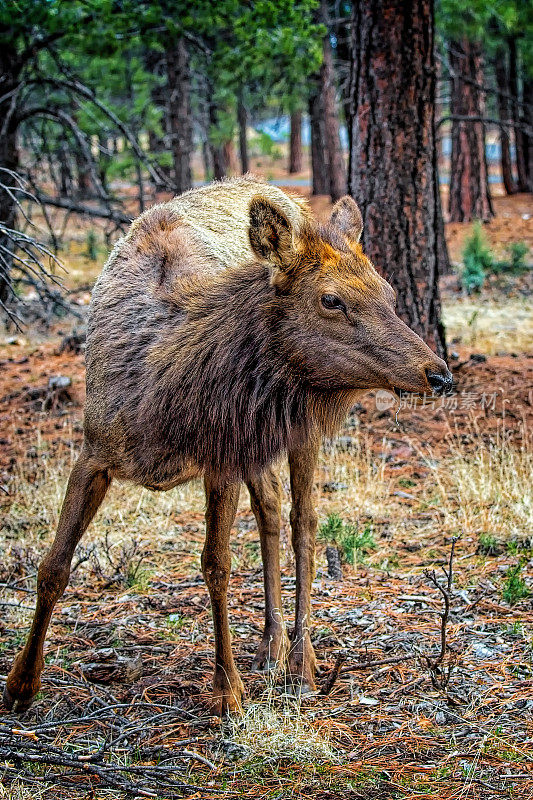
(230,157)
(179,114)
(8,208)
(528,120)
(502,83)
(242,118)
(393,173)
(336,165)
(220,167)
(520,147)
(295,143)
(9,160)
(155,63)
(319,164)
(469,186)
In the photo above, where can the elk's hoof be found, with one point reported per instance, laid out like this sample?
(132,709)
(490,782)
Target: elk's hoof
(227,697)
(271,653)
(298,687)
(264,665)
(18,705)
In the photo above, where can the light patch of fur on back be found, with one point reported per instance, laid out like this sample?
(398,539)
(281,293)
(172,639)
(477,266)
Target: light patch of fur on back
(213,223)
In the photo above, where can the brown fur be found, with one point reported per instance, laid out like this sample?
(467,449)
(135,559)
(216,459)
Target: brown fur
(211,352)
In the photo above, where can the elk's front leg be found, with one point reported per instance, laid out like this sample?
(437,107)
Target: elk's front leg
(216,565)
(304,521)
(265,497)
(85,491)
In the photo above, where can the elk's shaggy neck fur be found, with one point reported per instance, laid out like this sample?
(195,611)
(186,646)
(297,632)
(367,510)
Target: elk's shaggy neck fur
(221,383)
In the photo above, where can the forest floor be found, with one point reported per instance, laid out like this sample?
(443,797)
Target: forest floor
(124,709)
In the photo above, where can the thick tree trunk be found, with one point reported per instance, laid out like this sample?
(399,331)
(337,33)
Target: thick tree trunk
(502,82)
(242,118)
(319,164)
(469,185)
(295,143)
(336,165)
(519,138)
(393,171)
(179,114)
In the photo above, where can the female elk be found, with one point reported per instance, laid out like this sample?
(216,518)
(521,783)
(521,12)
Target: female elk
(226,329)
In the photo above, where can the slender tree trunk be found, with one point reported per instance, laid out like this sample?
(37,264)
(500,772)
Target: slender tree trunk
(295,144)
(230,157)
(8,208)
(319,164)
(179,114)
(520,148)
(469,185)
(502,83)
(156,65)
(218,156)
(207,158)
(393,172)
(337,168)
(9,160)
(84,182)
(242,118)
(528,120)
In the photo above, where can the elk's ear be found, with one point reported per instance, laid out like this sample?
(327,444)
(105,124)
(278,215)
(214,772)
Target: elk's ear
(271,235)
(347,218)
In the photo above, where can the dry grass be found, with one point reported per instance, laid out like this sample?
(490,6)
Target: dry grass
(274,729)
(485,492)
(490,325)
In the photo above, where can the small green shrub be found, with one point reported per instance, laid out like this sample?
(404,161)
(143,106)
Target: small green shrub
(489,545)
(352,544)
(477,259)
(517,253)
(514,586)
(515,263)
(92,245)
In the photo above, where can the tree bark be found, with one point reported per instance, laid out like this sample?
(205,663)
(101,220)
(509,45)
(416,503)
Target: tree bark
(295,144)
(156,64)
(336,165)
(230,157)
(242,118)
(528,120)
(502,83)
(9,160)
(393,170)
(519,138)
(218,157)
(179,114)
(319,164)
(469,186)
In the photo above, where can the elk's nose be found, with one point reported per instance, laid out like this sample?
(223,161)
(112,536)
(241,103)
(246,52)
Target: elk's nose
(440,382)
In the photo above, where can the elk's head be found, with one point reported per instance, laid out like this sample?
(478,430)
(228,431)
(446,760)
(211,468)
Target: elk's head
(338,326)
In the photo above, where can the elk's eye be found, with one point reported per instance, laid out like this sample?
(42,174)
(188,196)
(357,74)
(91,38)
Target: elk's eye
(332,302)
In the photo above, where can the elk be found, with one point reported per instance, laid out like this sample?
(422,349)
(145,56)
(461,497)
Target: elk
(228,328)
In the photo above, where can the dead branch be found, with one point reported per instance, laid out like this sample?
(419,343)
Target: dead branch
(441,677)
(329,683)
(80,208)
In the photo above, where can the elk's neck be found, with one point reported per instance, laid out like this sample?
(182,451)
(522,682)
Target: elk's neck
(228,399)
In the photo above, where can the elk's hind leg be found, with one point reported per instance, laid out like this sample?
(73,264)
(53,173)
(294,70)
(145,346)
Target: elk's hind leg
(221,503)
(86,489)
(265,497)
